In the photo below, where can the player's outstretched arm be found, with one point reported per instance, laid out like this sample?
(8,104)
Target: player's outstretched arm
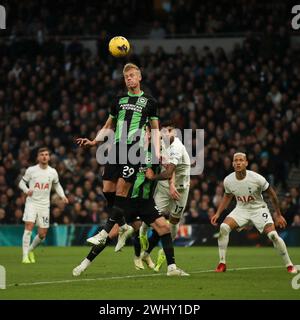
(222,206)
(85,142)
(102,133)
(167,174)
(279,219)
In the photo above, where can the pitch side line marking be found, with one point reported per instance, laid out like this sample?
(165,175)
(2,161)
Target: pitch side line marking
(130,276)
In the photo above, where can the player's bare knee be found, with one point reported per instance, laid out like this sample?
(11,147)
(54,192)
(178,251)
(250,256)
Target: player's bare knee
(224,229)
(136,225)
(42,235)
(164,230)
(109,186)
(161,228)
(122,193)
(122,188)
(113,234)
(273,236)
(29,226)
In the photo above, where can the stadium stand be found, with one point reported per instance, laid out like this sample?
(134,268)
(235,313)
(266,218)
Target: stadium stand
(50,94)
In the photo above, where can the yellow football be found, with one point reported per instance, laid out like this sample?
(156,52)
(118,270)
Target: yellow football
(119,46)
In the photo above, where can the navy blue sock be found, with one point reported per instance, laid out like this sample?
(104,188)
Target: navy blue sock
(167,243)
(97,249)
(136,243)
(153,241)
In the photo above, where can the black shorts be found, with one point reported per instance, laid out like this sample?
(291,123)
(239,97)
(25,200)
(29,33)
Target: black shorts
(146,210)
(132,218)
(114,169)
(112,172)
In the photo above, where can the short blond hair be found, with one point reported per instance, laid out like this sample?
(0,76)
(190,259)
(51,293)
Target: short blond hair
(240,154)
(129,66)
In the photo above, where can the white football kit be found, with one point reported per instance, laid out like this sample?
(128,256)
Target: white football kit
(37,207)
(176,154)
(250,204)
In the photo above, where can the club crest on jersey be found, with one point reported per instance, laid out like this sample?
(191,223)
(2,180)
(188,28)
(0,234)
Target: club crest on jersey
(245,198)
(142,101)
(41,186)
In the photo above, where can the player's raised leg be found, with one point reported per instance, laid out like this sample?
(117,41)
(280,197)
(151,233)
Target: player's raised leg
(121,204)
(94,252)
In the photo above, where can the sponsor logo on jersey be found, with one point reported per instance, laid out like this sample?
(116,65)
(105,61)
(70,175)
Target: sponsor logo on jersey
(132,107)
(41,186)
(245,198)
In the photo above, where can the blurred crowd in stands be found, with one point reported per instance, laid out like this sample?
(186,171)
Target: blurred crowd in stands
(156,19)
(52,93)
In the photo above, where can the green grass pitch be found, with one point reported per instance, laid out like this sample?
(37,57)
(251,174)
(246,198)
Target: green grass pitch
(254,273)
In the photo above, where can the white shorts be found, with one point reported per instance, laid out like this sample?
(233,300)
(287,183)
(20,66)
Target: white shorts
(259,217)
(38,215)
(165,203)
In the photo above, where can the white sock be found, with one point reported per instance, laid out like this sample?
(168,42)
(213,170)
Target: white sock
(103,233)
(172,266)
(85,263)
(26,242)
(279,244)
(143,229)
(36,241)
(174,230)
(124,227)
(223,241)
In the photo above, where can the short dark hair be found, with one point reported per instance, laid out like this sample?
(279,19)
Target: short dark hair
(168,123)
(43,149)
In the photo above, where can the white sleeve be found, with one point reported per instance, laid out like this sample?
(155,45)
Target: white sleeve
(263,183)
(175,155)
(56,179)
(27,176)
(57,186)
(59,190)
(23,186)
(226,187)
(25,180)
